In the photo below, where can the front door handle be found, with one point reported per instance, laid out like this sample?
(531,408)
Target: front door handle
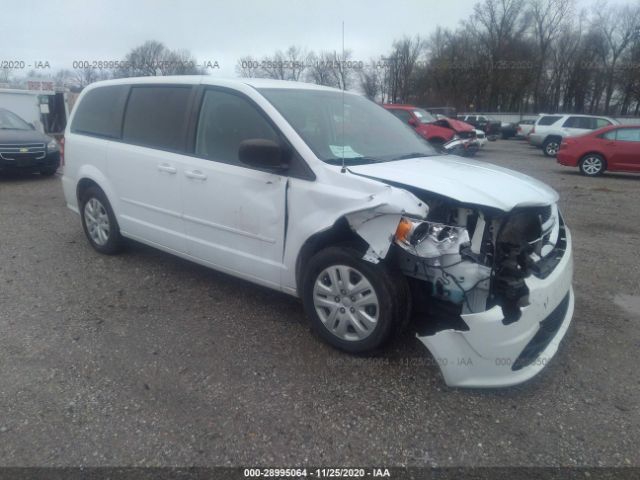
(165,167)
(196,174)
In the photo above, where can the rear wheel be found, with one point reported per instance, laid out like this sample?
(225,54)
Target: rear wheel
(354,305)
(551,146)
(99,222)
(592,165)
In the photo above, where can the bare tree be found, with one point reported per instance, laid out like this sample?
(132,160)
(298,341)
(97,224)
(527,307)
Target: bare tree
(85,76)
(320,69)
(618,25)
(547,19)
(401,64)
(370,81)
(153,58)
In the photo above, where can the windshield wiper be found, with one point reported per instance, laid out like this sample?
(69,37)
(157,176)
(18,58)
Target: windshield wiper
(407,156)
(352,161)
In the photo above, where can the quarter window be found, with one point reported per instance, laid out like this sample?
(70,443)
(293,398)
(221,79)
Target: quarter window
(628,134)
(225,121)
(156,117)
(100,112)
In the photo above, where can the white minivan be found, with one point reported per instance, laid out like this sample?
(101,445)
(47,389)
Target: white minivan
(324,195)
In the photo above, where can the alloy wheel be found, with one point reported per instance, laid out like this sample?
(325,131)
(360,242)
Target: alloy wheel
(592,165)
(97,221)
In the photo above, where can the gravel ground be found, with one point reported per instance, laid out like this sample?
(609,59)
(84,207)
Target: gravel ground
(146,359)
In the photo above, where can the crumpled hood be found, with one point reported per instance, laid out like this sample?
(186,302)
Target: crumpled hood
(464,180)
(460,126)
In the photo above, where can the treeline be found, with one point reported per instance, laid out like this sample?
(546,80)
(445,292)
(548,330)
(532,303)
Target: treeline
(525,56)
(509,55)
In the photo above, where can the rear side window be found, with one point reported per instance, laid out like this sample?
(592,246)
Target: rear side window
(100,112)
(628,134)
(548,120)
(156,117)
(585,123)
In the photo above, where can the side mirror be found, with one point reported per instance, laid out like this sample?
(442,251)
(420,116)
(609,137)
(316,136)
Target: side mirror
(413,122)
(33,127)
(263,153)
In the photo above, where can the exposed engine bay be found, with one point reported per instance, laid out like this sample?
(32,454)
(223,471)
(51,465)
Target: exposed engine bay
(476,259)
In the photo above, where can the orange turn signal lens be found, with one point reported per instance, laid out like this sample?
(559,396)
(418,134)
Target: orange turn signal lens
(403,230)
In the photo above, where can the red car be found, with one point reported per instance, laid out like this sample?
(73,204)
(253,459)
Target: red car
(615,148)
(436,131)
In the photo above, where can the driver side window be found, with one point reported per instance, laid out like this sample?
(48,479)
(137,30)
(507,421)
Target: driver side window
(225,121)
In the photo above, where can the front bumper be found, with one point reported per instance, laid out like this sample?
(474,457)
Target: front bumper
(491,354)
(34,163)
(536,139)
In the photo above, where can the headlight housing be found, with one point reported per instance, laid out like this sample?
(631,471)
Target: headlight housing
(53,146)
(430,239)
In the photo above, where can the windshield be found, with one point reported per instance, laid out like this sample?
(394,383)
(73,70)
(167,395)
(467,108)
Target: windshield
(10,121)
(423,116)
(358,129)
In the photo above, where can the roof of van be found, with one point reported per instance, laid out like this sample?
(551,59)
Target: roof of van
(223,82)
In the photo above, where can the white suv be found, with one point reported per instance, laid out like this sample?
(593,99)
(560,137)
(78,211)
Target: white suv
(326,196)
(549,130)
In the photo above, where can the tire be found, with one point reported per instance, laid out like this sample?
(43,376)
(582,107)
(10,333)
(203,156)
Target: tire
(103,232)
(48,171)
(592,165)
(551,146)
(357,317)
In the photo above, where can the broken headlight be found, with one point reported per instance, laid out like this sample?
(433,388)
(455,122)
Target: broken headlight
(430,239)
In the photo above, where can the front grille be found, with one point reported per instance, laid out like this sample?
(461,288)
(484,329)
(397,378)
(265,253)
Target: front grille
(22,152)
(548,329)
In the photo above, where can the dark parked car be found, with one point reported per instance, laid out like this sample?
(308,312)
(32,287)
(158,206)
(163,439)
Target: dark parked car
(508,130)
(493,128)
(22,148)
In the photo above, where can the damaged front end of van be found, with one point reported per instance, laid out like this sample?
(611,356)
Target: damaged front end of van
(490,282)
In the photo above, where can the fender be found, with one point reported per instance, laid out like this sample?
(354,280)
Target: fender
(92,173)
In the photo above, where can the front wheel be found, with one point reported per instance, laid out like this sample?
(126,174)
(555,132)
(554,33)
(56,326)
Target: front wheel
(592,165)
(354,305)
(99,222)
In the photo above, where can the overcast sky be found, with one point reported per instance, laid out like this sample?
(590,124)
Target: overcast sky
(61,32)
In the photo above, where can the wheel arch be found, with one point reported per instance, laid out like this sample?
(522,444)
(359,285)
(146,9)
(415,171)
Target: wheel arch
(90,176)
(595,152)
(339,233)
(552,136)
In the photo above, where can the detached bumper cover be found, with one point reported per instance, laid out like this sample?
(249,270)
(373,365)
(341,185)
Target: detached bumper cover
(491,354)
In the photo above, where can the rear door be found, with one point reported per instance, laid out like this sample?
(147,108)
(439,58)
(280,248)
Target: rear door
(627,149)
(234,214)
(575,125)
(147,165)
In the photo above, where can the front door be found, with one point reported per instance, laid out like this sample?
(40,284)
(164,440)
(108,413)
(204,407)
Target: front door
(234,214)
